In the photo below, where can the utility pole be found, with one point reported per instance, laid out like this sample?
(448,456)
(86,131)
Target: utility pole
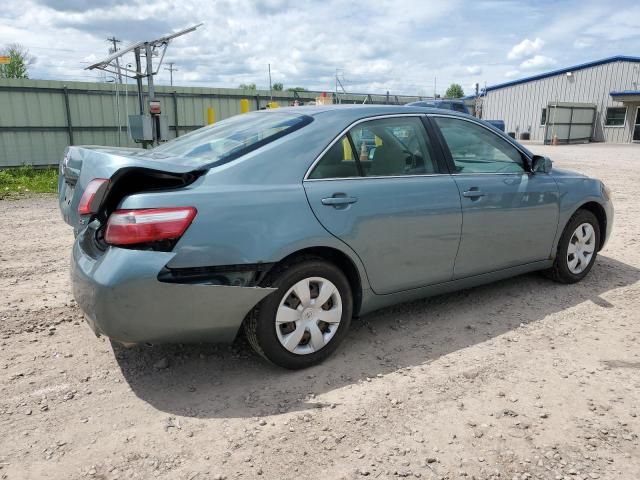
(339,83)
(139,75)
(171,70)
(477,101)
(115,43)
(270,92)
(434,87)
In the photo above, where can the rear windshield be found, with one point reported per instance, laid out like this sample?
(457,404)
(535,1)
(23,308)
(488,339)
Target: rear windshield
(232,138)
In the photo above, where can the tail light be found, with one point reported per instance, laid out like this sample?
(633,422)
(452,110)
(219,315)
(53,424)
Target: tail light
(131,227)
(87,202)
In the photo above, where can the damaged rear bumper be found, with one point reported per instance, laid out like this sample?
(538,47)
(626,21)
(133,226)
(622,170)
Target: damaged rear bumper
(123,299)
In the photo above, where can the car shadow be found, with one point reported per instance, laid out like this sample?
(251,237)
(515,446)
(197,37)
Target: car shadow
(204,381)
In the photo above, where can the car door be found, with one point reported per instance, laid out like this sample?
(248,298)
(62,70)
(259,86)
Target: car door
(380,188)
(509,215)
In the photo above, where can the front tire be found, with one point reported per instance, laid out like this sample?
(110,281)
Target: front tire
(577,248)
(304,321)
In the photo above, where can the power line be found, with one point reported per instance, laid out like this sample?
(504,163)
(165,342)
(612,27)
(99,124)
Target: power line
(115,42)
(171,70)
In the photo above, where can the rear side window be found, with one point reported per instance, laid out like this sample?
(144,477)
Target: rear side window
(395,146)
(338,162)
(233,137)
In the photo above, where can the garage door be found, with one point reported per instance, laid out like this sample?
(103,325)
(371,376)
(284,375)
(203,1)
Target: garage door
(569,122)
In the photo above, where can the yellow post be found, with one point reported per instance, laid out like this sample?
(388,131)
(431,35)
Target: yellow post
(346,150)
(244,105)
(211,115)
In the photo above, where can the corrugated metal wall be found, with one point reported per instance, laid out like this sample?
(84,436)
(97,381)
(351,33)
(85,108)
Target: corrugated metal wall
(35,127)
(520,106)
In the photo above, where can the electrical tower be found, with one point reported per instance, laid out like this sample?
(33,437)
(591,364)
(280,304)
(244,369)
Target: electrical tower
(149,127)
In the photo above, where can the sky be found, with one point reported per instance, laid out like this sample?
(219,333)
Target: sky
(404,47)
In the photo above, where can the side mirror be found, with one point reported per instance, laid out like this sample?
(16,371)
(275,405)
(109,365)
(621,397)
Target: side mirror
(540,164)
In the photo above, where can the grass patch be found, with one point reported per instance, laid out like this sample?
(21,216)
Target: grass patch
(26,179)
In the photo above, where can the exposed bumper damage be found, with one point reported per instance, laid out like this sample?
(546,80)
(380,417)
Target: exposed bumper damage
(124,300)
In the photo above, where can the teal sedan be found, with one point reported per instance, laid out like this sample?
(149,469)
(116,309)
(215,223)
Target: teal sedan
(285,224)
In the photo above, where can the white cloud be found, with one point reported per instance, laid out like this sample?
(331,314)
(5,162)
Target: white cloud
(437,43)
(526,48)
(537,62)
(582,43)
(408,46)
(619,25)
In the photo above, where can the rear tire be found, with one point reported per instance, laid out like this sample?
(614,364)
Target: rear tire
(577,248)
(294,332)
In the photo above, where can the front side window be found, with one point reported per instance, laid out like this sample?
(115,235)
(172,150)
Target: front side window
(230,138)
(385,147)
(615,116)
(474,149)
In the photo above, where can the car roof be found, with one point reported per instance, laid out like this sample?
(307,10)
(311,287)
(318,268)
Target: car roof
(356,111)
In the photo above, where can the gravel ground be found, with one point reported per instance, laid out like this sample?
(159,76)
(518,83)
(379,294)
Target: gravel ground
(519,379)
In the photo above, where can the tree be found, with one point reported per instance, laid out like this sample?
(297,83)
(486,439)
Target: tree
(297,89)
(19,61)
(454,91)
(277,87)
(247,86)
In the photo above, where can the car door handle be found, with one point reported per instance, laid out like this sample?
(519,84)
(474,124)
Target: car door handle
(337,201)
(473,193)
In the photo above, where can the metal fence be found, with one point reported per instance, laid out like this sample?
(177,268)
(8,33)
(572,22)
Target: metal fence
(39,118)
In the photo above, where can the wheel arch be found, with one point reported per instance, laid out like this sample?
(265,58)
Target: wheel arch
(600,214)
(343,262)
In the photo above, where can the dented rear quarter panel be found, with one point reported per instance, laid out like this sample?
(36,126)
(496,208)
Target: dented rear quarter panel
(124,300)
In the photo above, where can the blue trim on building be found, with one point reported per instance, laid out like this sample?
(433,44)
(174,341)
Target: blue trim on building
(582,66)
(625,93)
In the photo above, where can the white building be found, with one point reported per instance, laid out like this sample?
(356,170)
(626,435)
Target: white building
(596,101)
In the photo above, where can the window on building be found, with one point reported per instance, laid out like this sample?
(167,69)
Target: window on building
(543,118)
(615,116)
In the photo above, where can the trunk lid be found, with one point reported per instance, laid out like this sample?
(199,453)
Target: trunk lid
(81,164)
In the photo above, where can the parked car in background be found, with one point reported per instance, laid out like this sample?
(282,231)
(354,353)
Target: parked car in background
(456,106)
(275,224)
(446,104)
